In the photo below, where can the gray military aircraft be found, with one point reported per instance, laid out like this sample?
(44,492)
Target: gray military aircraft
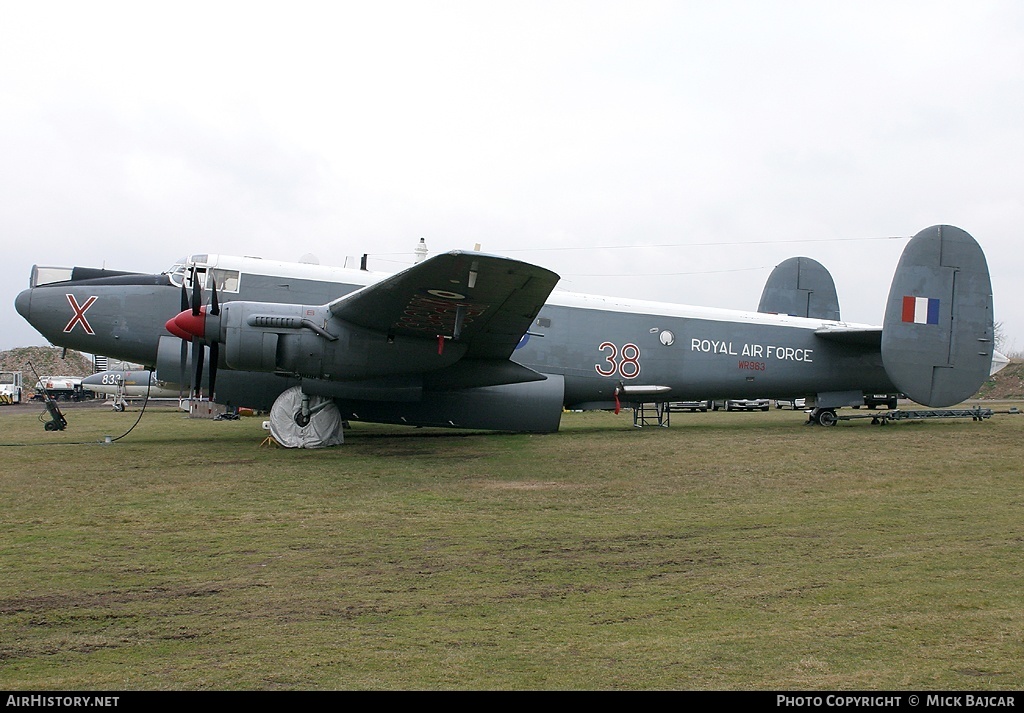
(471,340)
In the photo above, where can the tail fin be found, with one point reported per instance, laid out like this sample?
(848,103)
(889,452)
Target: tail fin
(937,337)
(800,287)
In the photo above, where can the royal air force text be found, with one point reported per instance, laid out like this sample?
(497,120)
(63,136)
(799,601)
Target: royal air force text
(769,352)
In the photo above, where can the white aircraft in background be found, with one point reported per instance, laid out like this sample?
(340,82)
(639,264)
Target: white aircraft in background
(123,385)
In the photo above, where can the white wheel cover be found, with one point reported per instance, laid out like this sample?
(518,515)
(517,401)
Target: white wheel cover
(324,428)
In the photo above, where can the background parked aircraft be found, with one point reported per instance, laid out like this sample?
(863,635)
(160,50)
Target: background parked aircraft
(123,385)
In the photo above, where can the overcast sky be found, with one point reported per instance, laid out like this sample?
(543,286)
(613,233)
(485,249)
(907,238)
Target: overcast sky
(674,151)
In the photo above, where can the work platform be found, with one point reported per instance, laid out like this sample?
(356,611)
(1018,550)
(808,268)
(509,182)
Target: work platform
(882,418)
(659,414)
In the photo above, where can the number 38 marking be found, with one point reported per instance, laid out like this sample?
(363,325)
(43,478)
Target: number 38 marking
(625,362)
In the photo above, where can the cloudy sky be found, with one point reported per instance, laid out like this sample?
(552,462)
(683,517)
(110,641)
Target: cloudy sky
(674,151)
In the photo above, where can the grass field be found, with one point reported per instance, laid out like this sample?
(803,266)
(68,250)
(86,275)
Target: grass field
(729,551)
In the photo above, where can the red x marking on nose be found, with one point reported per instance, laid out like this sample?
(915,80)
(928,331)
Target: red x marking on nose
(80,314)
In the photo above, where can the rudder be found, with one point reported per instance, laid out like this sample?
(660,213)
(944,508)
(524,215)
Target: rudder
(937,337)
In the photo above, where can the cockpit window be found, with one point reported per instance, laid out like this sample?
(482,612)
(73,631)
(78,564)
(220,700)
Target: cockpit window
(177,273)
(226,280)
(181,273)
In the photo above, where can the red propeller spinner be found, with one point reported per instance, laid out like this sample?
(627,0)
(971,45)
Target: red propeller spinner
(187,325)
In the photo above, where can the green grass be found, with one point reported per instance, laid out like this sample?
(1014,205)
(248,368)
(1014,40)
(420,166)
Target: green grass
(729,551)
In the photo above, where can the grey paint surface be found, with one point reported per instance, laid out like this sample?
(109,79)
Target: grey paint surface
(801,287)
(943,363)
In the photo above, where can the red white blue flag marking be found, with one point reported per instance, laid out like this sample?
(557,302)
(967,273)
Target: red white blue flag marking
(921,310)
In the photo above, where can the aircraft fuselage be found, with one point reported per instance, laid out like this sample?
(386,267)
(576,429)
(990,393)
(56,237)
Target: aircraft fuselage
(599,345)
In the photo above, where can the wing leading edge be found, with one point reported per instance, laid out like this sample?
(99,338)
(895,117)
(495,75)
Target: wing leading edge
(486,302)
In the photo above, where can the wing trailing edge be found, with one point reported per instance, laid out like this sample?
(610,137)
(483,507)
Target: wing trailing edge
(485,301)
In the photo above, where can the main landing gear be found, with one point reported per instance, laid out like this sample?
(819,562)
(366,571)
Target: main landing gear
(298,420)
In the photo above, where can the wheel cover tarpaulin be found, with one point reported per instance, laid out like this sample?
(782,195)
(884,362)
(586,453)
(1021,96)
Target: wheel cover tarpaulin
(323,430)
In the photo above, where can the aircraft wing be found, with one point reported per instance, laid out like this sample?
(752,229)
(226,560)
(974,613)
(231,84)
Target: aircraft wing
(861,335)
(484,301)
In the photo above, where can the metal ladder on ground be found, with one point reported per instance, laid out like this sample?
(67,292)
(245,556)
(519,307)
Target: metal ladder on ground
(651,414)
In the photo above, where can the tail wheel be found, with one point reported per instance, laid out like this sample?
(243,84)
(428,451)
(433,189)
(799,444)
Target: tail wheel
(827,417)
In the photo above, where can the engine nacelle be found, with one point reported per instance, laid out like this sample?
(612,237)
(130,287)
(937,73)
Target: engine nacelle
(307,340)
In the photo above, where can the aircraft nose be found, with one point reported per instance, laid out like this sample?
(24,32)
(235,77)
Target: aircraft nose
(23,303)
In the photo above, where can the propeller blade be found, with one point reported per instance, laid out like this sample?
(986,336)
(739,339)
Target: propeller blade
(214,357)
(181,369)
(192,374)
(214,307)
(197,294)
(184,346)
(198,356)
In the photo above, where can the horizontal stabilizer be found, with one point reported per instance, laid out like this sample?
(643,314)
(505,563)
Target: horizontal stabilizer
(937,337)
(800,287)
(865,336)
(999,362)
